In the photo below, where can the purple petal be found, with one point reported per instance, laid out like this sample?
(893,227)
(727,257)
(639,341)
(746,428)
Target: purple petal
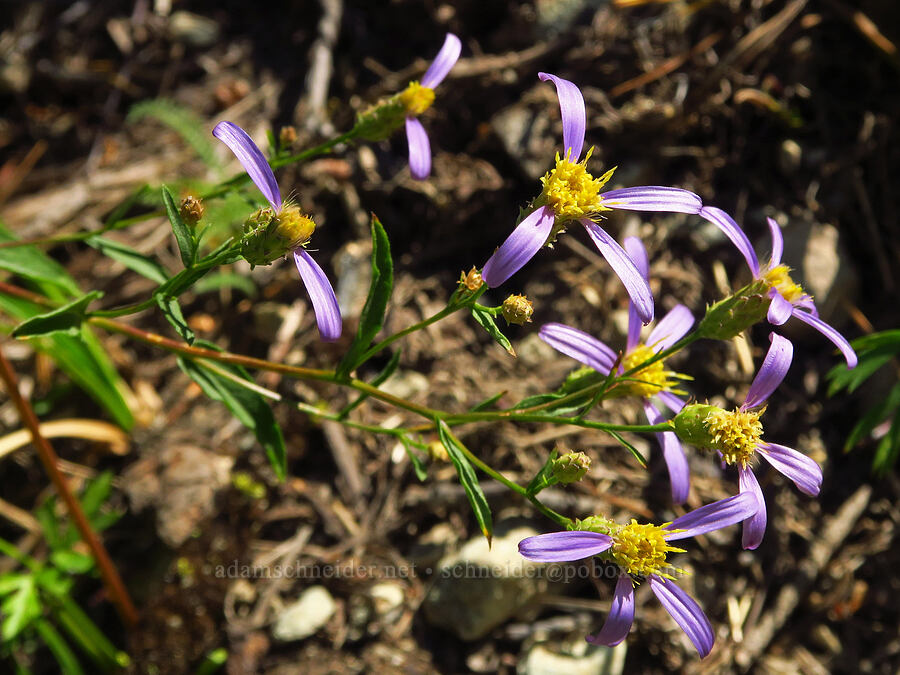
(771,372)
(671,328)
(807,303)
(839,340)
(621,615)
(755,526)
(520,247)
(686,612)
(733,231)
(443,62)
(638,254)
(321,294)
(579,345)
(574,118)
(673,454)
(714,516)
(779,310)
(806,474)
(635,284)
(653,198)
(419,149)
(672,402)
(251,158)
(564,546)
(777,242)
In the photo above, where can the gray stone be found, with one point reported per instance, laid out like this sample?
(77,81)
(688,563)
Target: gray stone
(478,588)
(581,659)
(303,618)
(193,29)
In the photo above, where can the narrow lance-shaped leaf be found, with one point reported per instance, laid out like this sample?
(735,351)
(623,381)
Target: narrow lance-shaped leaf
(248,406)
(469,481)
(172,311)
(133,260)
(544,477)
(66,319)
(187,245)
(372,317)
(414,459)
(486,321)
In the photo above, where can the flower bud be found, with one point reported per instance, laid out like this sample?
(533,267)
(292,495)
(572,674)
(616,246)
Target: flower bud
(517,309)
(570,468)
(437,452)
(287,136)
(269,235)
(472,281)
(191,210)
(736,313)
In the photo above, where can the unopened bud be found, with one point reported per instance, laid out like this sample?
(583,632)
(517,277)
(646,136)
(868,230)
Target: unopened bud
(191,210)
(736,313)
(570,467)
(287,136)
(595,524)
(437,452)
(517,309)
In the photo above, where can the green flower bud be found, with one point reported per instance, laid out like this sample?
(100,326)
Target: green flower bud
(736,313)
(570,467)
(517,309)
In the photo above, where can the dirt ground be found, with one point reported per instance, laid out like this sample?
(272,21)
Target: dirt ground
(783,108)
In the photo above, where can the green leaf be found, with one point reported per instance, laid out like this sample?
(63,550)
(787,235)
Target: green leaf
(11,581)
(542,478)
(20,609)
(888,449)
(487,403)
(72,561)
(219,280)
(66,319)
(86,635)
(486,321)
(248,406)
(29,262)
(418,467)
(68,663)
(172,311)
(372,317)
(633,450)
(187,245)
(468,480)
(873,417)
(136,262)
(96,493)
(187,124)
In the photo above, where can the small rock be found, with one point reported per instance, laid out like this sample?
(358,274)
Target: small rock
(387,599)
(583,659)
(406,384)
(192,29)
(479,588)
(525,135)
(790,156)
(307,615)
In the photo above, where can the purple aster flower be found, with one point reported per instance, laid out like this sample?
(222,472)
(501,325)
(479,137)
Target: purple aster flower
(640,551)
(571,194)
(737,436)
(788,298)
(418,97)
(654,383)
(270,233)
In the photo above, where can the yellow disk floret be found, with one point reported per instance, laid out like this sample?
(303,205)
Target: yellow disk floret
(571,191)
(735,434)
(641,549)
(652,379)
(293,226)
(779,278)
(416,99)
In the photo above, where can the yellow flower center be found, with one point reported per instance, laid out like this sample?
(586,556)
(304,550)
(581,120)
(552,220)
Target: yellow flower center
(735,434)
(641,549)
(779,278)
(293,226)
(652,379)
(571,191)
(416,99)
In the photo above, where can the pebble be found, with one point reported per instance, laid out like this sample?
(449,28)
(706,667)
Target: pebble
(306,616)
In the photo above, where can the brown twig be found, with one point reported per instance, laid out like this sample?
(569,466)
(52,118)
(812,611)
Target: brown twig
(666,67)
(108,572)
